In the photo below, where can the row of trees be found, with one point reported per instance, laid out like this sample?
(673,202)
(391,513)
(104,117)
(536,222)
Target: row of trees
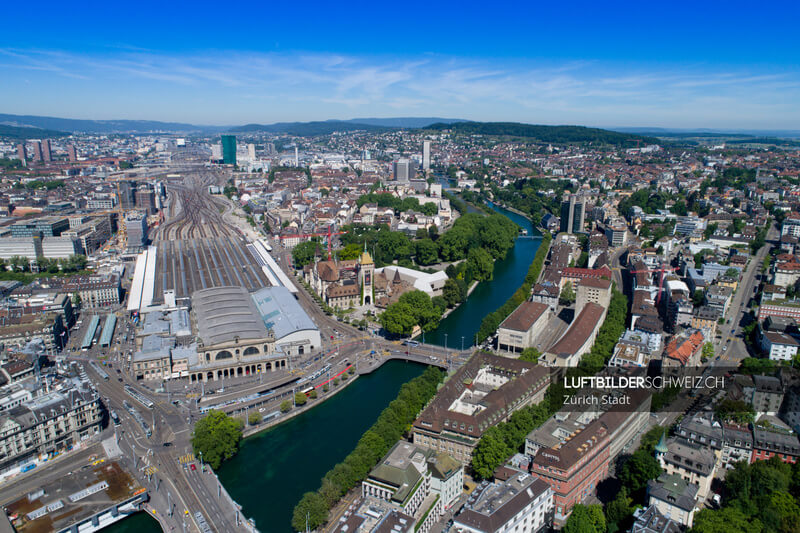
(492,321)
(18,268)
(373,445)
(40,184)
(413,308)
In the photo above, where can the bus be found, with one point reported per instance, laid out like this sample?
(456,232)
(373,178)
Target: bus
(307,391)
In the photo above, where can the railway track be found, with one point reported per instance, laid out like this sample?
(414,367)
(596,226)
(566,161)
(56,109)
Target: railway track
(192,212)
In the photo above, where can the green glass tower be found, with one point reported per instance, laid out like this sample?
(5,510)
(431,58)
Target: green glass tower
(229,149)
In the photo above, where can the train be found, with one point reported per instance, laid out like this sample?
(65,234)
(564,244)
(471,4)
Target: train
(139,397)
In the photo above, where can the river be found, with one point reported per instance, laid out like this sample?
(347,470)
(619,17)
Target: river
(275,468)
(463,323)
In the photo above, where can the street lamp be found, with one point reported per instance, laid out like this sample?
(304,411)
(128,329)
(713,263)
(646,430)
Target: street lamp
(462,343)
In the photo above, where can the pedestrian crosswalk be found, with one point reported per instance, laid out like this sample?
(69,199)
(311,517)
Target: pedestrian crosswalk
(150,470)
(185,459)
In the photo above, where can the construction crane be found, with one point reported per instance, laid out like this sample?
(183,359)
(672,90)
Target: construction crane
(329,235)
(663,271)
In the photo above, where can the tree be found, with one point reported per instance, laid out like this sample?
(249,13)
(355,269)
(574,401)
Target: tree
(286,406)
(426,315)
(452,293)
(698,297)
(254,418)
(638,469)
(530,354)
(726,520)
(427,253)
(618,511)
(585,519)
(398,319)
(708,351)
(429,209)
(76,299)
(480,264)
(311,512)
(303,254)
(349,252)
(300,399)
(567,296)
(216,436)
(735,410)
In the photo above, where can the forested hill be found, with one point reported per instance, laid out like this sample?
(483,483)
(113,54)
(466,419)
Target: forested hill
(549,134)
(307,129)
(22,132)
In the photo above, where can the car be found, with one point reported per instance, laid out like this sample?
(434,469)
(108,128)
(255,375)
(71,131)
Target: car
(167,444)
(119,379)
(192,467)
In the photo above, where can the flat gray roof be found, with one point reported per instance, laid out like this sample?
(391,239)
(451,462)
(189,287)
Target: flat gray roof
(280,311)
(224,313)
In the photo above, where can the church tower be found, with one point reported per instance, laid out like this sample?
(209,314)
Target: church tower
(366,273)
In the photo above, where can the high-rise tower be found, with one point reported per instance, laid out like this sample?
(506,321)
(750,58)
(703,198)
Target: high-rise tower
(229,149)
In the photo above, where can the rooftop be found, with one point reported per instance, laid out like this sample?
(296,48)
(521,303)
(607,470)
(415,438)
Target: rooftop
(524,316)
(226,313)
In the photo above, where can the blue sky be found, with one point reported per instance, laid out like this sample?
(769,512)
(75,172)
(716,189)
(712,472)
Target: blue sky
(669,64)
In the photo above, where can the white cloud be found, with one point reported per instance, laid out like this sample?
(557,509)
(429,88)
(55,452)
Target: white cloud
(303,86)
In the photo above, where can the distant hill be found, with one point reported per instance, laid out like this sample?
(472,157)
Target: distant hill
(405,122)
(104,126)
(22,132)
(548,134)
(306,129)
(682,133)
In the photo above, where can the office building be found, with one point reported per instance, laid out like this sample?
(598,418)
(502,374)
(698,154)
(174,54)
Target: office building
(251,152)
(595,290)
(403,171)
(426,155)
(50,226)
(522,504)
(216,153)
(22,154)
(72,153)
(47,155)
(523,327)
(483,392)
(37,151)
(146,200)
(573,211)
(229,149)
(136,228)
